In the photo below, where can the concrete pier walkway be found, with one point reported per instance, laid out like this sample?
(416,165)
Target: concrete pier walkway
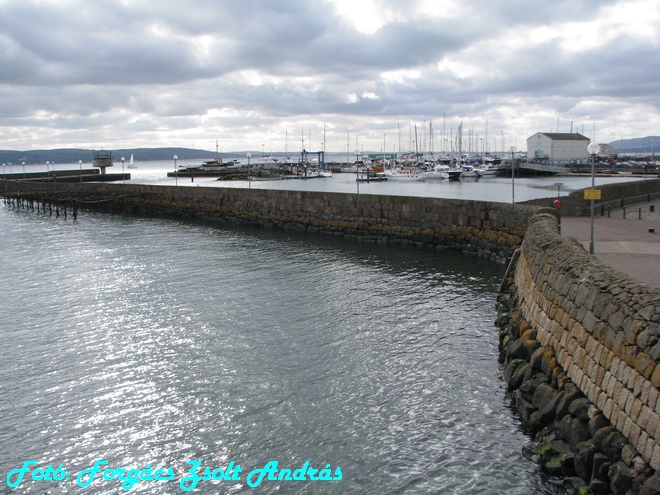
(623,243)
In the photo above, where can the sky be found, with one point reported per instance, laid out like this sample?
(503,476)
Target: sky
(333,75)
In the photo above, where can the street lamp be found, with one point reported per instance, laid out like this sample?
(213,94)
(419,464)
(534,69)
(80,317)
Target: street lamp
(122,170)
(593,149)
(176,174)
(47,170)
(249,155)
(23,170)
(513,176)
(80,164)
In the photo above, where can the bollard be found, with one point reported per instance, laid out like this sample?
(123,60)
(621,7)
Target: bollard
(639,214)
(651,208)
(608,212)
(624,212)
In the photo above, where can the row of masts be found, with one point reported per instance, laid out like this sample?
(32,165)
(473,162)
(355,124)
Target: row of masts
(470,143)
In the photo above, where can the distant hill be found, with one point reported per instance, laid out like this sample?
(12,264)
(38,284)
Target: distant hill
(71,155)
(647,144)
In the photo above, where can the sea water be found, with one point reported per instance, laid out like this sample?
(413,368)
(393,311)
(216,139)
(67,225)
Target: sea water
(141,349)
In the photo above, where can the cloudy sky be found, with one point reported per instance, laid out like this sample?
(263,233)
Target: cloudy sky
(268,74)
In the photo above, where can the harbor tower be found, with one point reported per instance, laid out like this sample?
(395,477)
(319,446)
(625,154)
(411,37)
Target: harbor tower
(102,160)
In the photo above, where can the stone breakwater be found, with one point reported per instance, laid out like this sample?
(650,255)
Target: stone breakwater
(580,345)
(484,229)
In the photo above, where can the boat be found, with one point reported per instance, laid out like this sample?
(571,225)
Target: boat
(131,162)
(371,177)
(488,169)
(266,162)
(439,171)
(469,171)
(404,174)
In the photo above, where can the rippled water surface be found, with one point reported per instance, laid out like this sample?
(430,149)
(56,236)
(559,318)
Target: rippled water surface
(155,342)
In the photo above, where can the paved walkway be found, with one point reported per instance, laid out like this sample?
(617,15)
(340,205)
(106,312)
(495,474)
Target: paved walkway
(623,243)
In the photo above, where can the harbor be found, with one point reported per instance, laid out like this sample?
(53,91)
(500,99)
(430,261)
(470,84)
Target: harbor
(488,231)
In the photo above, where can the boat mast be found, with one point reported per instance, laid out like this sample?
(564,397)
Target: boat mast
(444,132)
(486,139)
(399,127)
(431,138)
(416,147)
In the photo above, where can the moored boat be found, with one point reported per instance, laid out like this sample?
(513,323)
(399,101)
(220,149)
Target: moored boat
(469,171)
(404,174)
(488,169)
(443,172)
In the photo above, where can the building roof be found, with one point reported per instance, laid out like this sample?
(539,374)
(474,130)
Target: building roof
(565,136)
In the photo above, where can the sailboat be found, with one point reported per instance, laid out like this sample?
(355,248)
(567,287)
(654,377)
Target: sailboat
(131,162)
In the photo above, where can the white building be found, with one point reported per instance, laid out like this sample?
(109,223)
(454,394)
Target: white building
(557,148)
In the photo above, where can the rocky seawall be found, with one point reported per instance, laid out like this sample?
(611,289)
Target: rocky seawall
(580,345)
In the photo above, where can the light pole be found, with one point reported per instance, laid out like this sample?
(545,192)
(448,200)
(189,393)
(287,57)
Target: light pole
(249,155)
(593,149)
(47,170)
(122,170)
(513,176)
(176,174)
(23,170)
(80,164)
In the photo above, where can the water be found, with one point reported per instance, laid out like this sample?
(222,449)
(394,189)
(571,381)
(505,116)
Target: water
(155,342)
(498,189)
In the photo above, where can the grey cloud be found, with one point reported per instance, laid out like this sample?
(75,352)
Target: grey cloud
(174,63)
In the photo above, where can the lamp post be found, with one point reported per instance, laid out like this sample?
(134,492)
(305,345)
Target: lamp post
(122,170)
(593,149)
(80,164)
(23,170)
(176,174)
(513,176)
(47,170)
(249,155)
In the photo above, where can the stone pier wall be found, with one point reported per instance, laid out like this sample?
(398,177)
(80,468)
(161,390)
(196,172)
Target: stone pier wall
(578,331)
(489,230)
